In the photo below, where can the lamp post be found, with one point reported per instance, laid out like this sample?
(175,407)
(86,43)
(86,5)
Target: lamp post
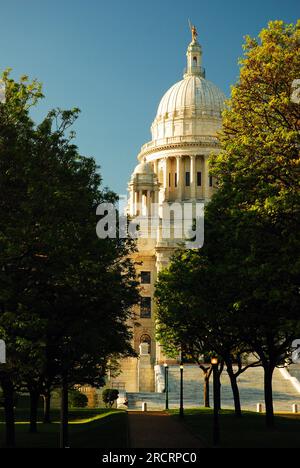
(181,392)
(167,384)
(216,387)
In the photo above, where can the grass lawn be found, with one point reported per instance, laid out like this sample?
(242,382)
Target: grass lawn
(248,432)
(88,428)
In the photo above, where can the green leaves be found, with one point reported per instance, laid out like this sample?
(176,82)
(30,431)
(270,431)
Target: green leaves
(241,290)
(65,295)
(260,137)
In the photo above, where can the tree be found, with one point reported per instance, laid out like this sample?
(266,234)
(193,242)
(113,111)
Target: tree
(15,134)
(251,248)
(77,399)
(174,311)
(65,295)
(109,396)
(191,315)
(254,216)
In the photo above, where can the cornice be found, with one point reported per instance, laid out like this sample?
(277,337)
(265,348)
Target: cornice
(171,146)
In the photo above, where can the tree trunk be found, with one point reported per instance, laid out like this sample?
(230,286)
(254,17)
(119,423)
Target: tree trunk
(235,390)
(34,401)
(8,396)
(268,376)
(206,389)
(218,387)
(47,405)
(64,416)
(219,392)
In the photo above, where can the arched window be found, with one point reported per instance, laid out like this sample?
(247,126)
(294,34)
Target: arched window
(146,339)
(194,61)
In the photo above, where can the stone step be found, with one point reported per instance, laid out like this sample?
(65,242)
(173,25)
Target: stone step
(294,370)
(250,385)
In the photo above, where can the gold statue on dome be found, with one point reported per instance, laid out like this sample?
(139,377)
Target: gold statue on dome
(193,31)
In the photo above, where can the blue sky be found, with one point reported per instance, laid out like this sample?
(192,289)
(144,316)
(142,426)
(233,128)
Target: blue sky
(115,59)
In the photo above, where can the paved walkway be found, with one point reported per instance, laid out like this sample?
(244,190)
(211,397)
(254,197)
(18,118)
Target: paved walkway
(157,429)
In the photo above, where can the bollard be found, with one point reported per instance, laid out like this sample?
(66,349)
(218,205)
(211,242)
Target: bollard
(144,406)
(295,408)
(2,352)
(259,408)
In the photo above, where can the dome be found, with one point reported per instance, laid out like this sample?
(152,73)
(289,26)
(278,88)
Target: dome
(192,107)
(143,168)
(190,112)
(144,176)
(195,94)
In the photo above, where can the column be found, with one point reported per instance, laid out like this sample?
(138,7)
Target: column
(193,176)
(132,200)
(206,189)
(140,204)
(155,166)
(179,177)
(148,203)
(135,208)
(166,179)
(155,211)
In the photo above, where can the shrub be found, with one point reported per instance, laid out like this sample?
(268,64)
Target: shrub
(109,396)
(77,399)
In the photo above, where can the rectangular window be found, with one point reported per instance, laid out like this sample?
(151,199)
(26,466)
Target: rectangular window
(169,179)
(210,181)
(145,277)
(198,179)
(187,179)
(145,307)
(175,179)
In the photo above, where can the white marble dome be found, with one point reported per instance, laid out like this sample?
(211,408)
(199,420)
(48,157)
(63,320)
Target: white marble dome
(192,106)
(195,94)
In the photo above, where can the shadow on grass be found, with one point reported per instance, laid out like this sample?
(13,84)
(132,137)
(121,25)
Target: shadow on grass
(247,432)
(87,429)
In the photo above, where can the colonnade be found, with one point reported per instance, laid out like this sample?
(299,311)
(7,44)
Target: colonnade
(180,176)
